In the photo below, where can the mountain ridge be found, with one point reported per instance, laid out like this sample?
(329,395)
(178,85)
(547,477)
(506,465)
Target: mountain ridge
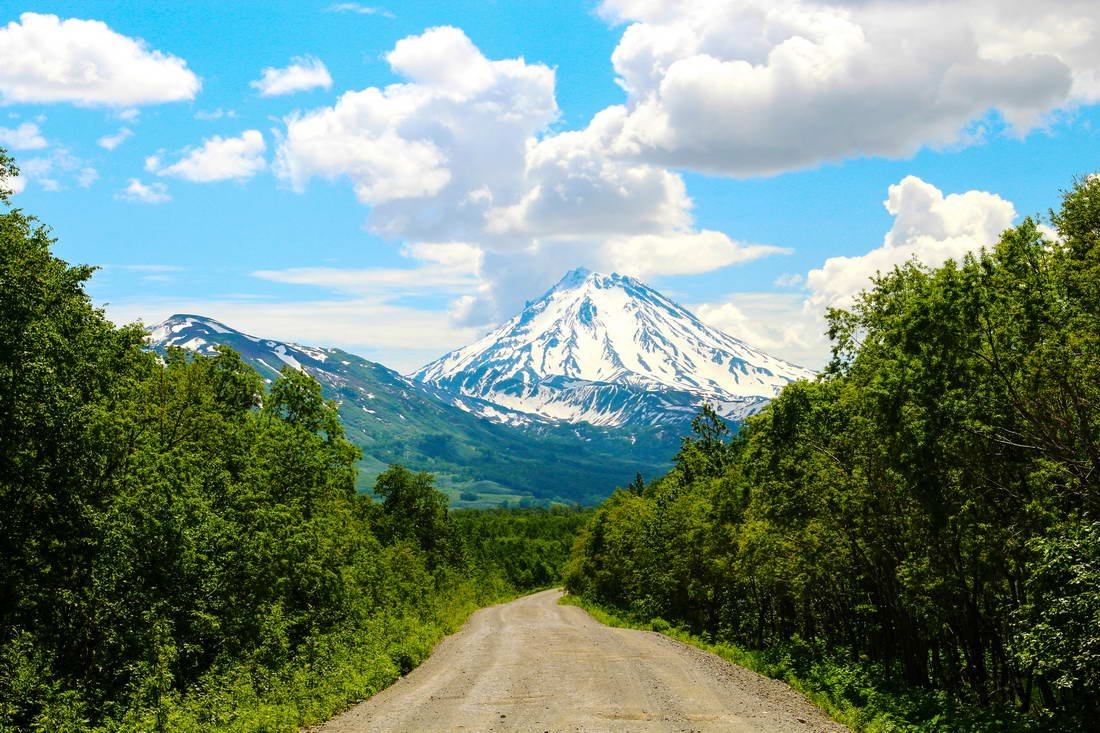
(473,447)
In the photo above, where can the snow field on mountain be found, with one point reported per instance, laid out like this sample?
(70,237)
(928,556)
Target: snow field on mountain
(607,349)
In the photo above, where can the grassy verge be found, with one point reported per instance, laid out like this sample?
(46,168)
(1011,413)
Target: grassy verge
(853,694)
(322,678)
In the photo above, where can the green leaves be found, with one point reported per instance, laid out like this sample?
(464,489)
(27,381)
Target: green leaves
(8,171)
(414,511)
(1058,627)
(929,504)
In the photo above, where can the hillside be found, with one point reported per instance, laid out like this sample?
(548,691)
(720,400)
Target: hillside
(515,458)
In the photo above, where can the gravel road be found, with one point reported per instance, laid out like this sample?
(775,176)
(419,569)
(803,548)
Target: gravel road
(532,665)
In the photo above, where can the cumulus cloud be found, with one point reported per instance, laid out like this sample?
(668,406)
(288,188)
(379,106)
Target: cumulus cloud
(45,59)
(760,87)
(140,193)
(462,150)
(573,188)
(458,117)
(929,228)
(86,177)
(110,142)
(26,136)
(217,159)
(303,73)
(775,322)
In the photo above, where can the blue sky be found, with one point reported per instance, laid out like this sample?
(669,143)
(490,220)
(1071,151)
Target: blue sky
(396,178)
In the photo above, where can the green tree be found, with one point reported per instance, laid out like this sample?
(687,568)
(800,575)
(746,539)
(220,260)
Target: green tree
(927,506)
(415,511)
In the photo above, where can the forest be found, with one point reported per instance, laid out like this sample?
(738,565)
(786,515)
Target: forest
(182,549)
(917,532)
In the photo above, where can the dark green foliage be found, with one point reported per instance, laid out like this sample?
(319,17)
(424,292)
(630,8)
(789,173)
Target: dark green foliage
(413,511)
(180,550)
(529,546)
(927,509)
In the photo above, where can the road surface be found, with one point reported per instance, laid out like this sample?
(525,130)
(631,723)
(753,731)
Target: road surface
(532,665)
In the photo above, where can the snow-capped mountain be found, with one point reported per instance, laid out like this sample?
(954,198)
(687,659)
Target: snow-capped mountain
(201,335)
(609,350)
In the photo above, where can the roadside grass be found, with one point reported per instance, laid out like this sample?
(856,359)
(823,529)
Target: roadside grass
(321,679)
(854,694)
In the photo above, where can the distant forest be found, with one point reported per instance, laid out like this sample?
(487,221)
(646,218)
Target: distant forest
(917,532)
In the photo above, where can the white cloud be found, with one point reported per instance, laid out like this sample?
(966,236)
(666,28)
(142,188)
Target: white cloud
(789,280)
(359,9)
(929,228)
(218,159)
(58,167)
(774,322)
(377,280)
(680,253)
(12,184)
(444,268)
(215,114)
(304,73)
(461,151)
(26,136)
(45,59)
(760,87)
(86,177)
(110,142)
(573,188)
(459,117)
(138,192)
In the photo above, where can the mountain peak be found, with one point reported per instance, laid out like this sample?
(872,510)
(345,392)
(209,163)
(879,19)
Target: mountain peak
(581,276)
(186,325)
(202,335)
(576,275)
(602,339)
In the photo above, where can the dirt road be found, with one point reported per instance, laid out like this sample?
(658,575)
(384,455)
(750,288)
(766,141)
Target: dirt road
(532,665)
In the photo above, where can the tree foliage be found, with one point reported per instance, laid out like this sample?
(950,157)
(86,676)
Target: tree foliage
(929,505)
(181,550)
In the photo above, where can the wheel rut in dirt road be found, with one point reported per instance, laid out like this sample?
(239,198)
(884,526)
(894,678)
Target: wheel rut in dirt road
(533,665)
